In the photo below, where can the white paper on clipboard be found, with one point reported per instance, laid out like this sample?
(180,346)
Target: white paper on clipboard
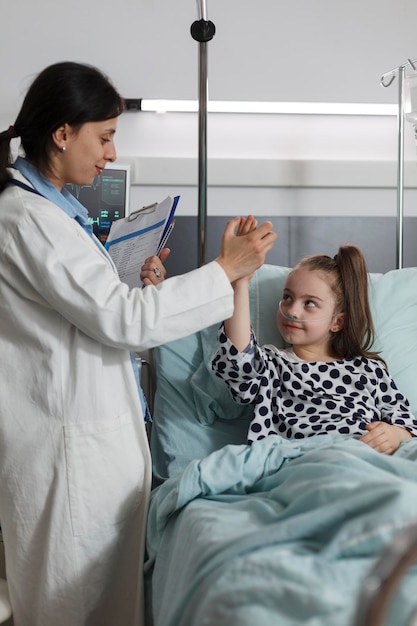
(142,234)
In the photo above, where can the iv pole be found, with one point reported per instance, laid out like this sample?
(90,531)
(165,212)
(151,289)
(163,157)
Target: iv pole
(386,81)
(202,31)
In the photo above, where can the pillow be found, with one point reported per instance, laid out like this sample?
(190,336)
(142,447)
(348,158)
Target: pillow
(393,299)
(193,411)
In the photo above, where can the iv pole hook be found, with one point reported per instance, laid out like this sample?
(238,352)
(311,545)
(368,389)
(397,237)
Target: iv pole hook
(387,84)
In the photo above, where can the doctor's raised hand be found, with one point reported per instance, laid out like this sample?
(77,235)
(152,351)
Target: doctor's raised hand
(244,246)
(75,465)
(243,250)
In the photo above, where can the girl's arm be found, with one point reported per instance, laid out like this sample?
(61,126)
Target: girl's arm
(238,327)
(397,422)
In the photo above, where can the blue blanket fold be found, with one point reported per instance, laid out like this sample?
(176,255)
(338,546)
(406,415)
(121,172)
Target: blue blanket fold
(280,532)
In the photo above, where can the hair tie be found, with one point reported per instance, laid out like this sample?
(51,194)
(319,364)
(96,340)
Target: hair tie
(11,131)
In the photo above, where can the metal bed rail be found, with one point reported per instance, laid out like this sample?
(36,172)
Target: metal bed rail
(381,584)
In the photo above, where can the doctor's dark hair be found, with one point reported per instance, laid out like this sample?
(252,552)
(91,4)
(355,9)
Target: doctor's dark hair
(65,92)
(347,275)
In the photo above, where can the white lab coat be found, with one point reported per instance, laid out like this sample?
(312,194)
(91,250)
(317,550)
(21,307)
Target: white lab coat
(75,467)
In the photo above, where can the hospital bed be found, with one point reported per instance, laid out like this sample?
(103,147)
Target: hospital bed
(320,532)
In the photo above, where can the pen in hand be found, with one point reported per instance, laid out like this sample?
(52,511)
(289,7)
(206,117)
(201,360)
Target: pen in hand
(164,239)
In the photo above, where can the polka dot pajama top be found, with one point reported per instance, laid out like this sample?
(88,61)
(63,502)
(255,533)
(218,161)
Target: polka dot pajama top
(298,399)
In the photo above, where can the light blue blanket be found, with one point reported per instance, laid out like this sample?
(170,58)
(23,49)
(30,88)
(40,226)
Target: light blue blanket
(280,533)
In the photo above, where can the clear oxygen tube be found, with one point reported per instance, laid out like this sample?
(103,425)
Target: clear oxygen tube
(291,318)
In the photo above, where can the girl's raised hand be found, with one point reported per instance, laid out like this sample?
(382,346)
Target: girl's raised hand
(242,253)
(246,226)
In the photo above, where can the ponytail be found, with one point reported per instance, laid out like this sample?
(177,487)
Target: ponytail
(358,334)
(5,160)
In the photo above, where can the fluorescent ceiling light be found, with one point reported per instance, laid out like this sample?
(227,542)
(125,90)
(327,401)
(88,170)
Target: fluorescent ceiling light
(289,108)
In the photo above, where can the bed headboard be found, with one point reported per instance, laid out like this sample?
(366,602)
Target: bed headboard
(193,411)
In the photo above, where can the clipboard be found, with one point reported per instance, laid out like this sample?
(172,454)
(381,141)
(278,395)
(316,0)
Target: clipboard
(143,233)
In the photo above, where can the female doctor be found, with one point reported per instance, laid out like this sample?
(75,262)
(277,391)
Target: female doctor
(75,467)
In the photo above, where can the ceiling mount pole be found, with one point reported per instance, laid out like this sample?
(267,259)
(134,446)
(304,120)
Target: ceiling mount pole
(202,31)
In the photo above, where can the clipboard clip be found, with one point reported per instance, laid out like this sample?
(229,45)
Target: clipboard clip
(150,208)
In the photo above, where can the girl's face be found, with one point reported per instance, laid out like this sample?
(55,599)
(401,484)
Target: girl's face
(87,150)
(306,315)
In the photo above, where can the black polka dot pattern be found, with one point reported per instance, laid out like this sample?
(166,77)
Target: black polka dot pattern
(296,399)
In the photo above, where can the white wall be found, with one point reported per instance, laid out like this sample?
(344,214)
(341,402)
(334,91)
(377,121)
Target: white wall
(309,50)
(269,49)
(271,165)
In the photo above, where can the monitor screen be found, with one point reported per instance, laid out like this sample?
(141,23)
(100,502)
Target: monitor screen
(106,199)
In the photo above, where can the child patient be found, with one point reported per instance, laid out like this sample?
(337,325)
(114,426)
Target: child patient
(329,380)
